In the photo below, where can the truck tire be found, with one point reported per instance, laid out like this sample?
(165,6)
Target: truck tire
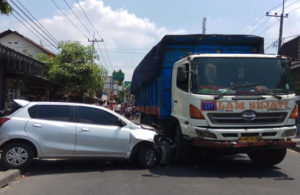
(182,149)
(268,157)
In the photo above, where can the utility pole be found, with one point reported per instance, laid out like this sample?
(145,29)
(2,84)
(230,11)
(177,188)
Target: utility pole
(282,16)
(94,40)
(204,25)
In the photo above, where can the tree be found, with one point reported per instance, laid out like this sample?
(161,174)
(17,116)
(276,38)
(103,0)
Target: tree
(5,8)
(76,69)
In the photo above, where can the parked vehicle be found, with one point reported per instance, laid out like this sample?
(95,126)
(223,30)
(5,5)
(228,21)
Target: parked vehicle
(218,92)
(63,130)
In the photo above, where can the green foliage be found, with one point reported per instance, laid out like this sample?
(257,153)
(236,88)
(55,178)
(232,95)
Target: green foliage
(5,8)
(76,69)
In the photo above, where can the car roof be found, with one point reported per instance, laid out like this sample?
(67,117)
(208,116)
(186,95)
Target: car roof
(67,104)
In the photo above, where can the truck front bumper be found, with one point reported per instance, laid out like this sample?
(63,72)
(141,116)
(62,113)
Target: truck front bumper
(235,134)
(238,145)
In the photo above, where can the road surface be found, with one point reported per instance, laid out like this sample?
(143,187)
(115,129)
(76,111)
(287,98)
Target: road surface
(226,175)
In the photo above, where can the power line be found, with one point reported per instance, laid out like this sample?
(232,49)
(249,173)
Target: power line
(101,55)
(128,49)
(249,28)
(282,16)
(77,17)
(271,45)
(293,10)
(54,46)
(46,37)
(259,19)
(265,29)
(47,32)
(291,36)
(88,19)
(107,54)
(66,16)
(124,52)
(94,40)
(259,26)
(26,26)
(291,3)
(276,21)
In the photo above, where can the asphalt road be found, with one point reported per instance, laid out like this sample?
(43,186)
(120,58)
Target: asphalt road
(227,175)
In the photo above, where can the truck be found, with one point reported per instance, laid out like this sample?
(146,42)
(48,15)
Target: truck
(220,93)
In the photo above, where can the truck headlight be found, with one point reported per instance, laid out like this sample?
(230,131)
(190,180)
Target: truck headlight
(289,133)
(206,134)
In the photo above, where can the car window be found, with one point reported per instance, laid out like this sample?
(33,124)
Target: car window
(50,112)
(96,116)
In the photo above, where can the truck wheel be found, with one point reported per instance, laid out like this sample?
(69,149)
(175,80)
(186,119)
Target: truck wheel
(147,156)
(267,157)
(182,149)
(16,155)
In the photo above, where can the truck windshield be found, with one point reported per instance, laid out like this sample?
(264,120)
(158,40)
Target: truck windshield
(252,75)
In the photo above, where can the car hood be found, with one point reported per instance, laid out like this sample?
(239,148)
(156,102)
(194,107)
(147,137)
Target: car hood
(143,134)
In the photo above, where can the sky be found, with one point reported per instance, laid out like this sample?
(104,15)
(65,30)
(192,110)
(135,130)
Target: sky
(130,28)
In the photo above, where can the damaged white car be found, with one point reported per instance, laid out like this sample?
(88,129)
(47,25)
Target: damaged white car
(67,130)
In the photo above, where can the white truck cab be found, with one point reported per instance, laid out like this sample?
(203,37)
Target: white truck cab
(234,100)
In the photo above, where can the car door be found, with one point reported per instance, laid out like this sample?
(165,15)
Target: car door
(98,133)
(52,129)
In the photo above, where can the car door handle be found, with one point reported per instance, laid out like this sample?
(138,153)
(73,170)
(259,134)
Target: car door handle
(85,129)
(37,125)
(175,101)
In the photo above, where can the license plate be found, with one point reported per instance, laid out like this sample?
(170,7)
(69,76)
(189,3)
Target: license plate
(249,139)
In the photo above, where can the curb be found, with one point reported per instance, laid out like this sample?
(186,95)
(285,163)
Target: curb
(9,176)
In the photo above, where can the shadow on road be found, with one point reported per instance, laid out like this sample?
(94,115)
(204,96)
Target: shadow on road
(238,166)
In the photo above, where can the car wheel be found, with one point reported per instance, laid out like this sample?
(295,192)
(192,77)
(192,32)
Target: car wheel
(16,155)
(147,156)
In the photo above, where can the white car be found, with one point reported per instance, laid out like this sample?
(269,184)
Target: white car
(62,130)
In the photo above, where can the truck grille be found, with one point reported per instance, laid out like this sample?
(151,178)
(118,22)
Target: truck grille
(236,118)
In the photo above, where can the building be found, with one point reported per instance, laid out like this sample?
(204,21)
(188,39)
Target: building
(21,76)
(292,50)
(22,44)
(111,87)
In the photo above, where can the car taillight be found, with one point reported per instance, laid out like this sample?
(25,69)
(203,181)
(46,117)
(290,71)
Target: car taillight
(3,120)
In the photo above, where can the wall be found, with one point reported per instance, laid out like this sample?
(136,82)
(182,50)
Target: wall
(20,44)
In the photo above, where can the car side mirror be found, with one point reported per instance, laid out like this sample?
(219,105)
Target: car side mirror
(120,123)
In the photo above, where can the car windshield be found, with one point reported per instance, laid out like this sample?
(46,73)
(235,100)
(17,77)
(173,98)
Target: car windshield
(244,76)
